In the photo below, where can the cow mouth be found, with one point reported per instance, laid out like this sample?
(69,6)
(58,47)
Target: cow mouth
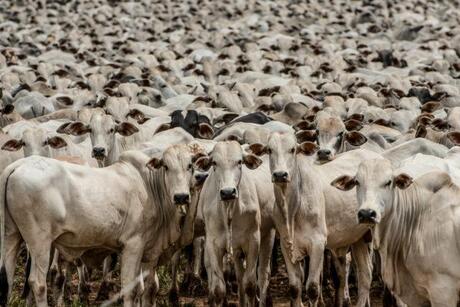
(371,221)
(280,180)
(324,159)
(228,198)
(99,157)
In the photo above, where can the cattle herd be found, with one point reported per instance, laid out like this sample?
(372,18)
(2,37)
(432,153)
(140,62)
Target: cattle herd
(131,131)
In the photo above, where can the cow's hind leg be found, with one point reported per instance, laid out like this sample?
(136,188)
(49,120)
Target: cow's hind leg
(40,255)
(362,256)
(12,244)
(340,262)
(174,292)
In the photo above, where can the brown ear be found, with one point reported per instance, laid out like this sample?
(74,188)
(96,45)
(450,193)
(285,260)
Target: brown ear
(7,109)
(306,136)
(344,183)
(163,127)
(126,129)
(56,142)
(431,106)
(304,125)
(421,131)
(353,125)
(205,131)
(382,122)
(355,138)
(356,116)
(424,120)
(252,161)
(229,117)
(454,137)
(155,163)
(78,128)
(403,181)
(204,163)
(307,148)
(12,145)
(197,156)
(258,149)
(63,128)
(65,100)
(233,137)
(440,124)
(139,116)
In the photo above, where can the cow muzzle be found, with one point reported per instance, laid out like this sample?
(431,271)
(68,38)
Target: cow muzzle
(228,194)
(200,179)
(99,153)
(182,199)
(280,177)
(367,216)
(324,155)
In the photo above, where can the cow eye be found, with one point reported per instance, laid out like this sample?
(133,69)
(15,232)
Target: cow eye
(387,184)
(112,130)
(292,150)
(240,162)
(165,167)
(189,167)
(269,151)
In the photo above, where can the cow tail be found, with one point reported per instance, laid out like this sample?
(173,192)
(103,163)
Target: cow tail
(4,287)
(26,290)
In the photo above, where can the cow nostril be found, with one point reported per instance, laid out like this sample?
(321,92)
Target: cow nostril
(181,199)
(324,152)
(367,215)
(280,176)
(98,151)
(228,194)
(201,178)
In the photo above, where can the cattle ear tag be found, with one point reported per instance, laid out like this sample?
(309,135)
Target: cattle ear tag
(154,163)
(403,181)
(307,148)
(258,149)
(344,183)
(252,161)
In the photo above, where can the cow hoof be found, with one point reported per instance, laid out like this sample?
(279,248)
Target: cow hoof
(104,291)
(347,302)
(313,292)
(293,292)
(269,301)
(174,297)
(53,274)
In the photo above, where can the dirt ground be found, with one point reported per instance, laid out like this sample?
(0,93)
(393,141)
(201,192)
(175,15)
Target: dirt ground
(278,290)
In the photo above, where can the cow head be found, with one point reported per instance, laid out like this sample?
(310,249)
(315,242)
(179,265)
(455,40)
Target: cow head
(283,149)
(102,129)
(374,184)
(35,142)
(177,165)
(7,115)
(227,160)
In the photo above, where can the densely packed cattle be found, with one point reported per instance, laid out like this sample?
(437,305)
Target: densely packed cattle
(132,131)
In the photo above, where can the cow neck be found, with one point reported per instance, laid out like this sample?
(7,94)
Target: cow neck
(399,233)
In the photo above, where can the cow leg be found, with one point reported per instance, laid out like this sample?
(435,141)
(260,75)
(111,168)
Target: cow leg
(83,287)
(40,255)
(54,267)
(362,257)
(250,274)
(174,292)
(107,269)
(12,244)
(213,260)
(295,275)
(61,281)
(151,284)
(339,257)
(263,270)
(198,245)
(313,285)
(130,268)
(239,271)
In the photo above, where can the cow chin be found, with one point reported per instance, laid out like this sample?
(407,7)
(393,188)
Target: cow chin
(370,221)
(99,158)
(281,181)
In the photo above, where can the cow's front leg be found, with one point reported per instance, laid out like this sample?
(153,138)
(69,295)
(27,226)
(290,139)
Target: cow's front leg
(313,285)
(130,268)
(250,277)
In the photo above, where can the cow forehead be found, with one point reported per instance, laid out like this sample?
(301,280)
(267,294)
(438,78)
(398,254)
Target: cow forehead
(34,134)
(374,170)
(330,125)
(281,141)
(101,121)
(227,151)
(177,156)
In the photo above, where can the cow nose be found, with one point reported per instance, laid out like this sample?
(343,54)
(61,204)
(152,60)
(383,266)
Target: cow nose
(228,194)
(280,176)
(367,216)
(324,154)
(200,178)
(181,199)
(98,152)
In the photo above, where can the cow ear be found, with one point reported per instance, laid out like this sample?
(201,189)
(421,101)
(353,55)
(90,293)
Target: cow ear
(252,161)
(56,142)
(382,122)
(258,149)
(155,163)
(353,125)
(163,127)
(425,120)
(8,109)
(304,125)
(204,163)
(403,181)
(205,131)
(78,128)
(431,106)
(229,117)
(139,116)
(126,129)
(454,137)
(421,131)
(65,100)
(344,183)
(307,148)
(12,145)
(306,136)
(233,137)
(63,128)
(197,156)
(355,138)
(356,116)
